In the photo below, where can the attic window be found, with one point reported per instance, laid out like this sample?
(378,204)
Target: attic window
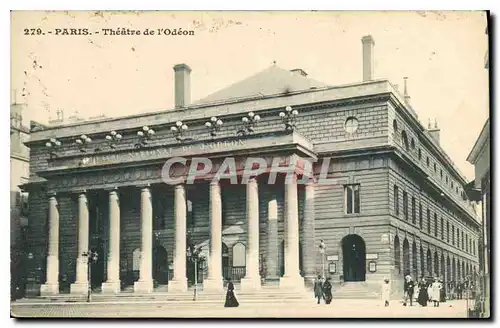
(434,167)
(405,139)
(427,161)
(351,125)
(395,126)
(412,143)
(420,154)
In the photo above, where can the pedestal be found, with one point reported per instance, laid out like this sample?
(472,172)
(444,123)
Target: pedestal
(177,286)
(213,285)
(79,288)
(112,287)
(292,283)
(250,284)
(143,287)
(49,289)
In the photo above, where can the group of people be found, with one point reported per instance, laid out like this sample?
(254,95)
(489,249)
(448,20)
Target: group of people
(425,291)
(323,290)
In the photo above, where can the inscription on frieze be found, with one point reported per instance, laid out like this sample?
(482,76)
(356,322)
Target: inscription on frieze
(145,154)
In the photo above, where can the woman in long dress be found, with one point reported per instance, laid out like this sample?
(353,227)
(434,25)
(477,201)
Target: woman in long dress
(231,300)
(436,292)
(423,296)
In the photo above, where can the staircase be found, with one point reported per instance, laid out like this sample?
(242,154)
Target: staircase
(356,290)
(267,294)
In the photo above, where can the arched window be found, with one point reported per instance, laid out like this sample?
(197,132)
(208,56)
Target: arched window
(397,255)
(427,160)
(239,256)
(395,126)
(404,138)
(412,143)
(406,257)
(414,259)
(420,154)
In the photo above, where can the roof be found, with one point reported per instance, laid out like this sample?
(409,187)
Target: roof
(481,140)
(271,81)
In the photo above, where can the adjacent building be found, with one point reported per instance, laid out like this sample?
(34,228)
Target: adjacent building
(397,205)
(19,169)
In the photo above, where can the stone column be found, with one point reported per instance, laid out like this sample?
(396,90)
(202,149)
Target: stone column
(292,278)
(51,286)
(272,271)
(214,280)
(112,284)
(309,247)
(179,282)
(252,276)
(145,283)
(81,284)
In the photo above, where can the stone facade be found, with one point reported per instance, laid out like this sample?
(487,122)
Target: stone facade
(258,233)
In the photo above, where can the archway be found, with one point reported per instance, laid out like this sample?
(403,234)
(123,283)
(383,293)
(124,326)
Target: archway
(459,276)
(436,264)
(354,258)
(406,257)
(454,270)
(422,262)
(443,265)
(429,263)
(160,265)
(97,269)
(448,269)
(397,255)
(414,260)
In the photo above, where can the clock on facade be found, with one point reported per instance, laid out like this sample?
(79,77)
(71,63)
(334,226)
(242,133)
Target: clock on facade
(351,125)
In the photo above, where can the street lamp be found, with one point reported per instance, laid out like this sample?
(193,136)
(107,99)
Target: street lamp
(91,258)
(289,117)
(322,249)
(179,129)
(144,136)
(82,142)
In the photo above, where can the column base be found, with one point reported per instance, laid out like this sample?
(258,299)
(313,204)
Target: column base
(143,286)
(79,288)
(112,287)
(292,283)
(213,285)
(272,280)
(178,286)
(49,289)
(250,284)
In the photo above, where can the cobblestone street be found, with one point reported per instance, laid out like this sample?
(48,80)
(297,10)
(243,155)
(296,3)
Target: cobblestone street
(338,309)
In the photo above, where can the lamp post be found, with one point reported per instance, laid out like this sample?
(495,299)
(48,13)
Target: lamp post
(289,117)
(113,138)
(179,129)
(322,249)
(82,142)
(91,258)
(144,136)
(249,123)
(53,144)
(214,125)
(193,254)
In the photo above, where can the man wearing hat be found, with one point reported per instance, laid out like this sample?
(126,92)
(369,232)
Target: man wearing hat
(409,288)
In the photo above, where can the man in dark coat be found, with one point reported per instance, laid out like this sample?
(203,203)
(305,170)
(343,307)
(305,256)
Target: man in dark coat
(327,291)
(460,287)
(318,289)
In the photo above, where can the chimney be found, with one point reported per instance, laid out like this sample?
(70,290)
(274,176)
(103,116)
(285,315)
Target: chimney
(182,85)
(407,96)
(299,71)
(368,57)
(434,132)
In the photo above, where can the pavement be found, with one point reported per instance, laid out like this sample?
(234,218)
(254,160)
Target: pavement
(307,309)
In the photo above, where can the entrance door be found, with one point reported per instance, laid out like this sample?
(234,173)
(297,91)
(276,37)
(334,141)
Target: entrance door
(354,257)
(160,265)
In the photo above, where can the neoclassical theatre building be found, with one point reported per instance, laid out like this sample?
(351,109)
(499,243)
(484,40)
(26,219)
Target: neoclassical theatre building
(398,205)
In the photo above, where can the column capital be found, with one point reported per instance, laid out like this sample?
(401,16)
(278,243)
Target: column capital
(51,194)
(110,189)
(180,186)
(215,182)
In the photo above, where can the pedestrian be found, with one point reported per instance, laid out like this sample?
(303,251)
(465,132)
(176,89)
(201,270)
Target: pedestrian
(386,292)
(460,287)
(327,291)
(442,291)
(436,291)
(231,300)
(318,289)
(423,296)
(409,285)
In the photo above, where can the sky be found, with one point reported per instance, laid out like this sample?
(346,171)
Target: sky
(441,53)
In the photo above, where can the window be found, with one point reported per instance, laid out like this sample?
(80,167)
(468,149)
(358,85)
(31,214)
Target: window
(462,240)
(404,138)
(441,170)
(442,228)
(453,235)
(396,200)
(446,179)
(435,224)
(466,243)
(420,218)
(351,196)
(405,205)
(412,143)
(351,125)
(452,185)
(448,231)
(413,211)
(435,167)
(420,154)
(428,221)
(395,126)
(190,215)
(427,161)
